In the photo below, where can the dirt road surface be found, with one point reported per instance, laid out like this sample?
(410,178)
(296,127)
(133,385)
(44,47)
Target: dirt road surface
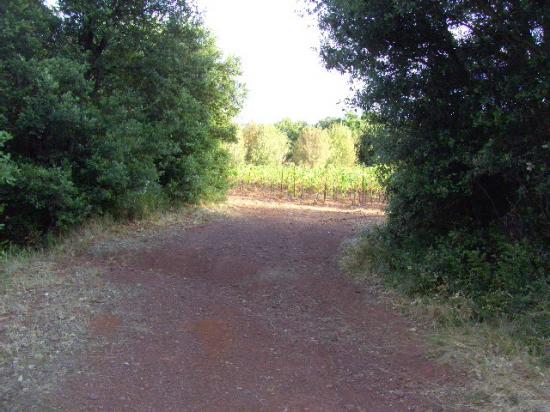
(250,312)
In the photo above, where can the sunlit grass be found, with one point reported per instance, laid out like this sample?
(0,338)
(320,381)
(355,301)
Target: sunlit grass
(329,182)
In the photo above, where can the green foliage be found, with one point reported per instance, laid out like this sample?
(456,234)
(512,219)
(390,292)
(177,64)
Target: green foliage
(468,124)
(6,165)
(308,180)
(312,148)
(460,91)
(291,128)
(121,176)
(126,103)
(6,168)
(498,277)
(371,136)
(342,146)
(197,185)
(41,200)
(237,149)
(265,144)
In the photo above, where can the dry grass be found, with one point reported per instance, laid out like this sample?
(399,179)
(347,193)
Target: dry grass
(502,374)
(43,314)
(108,236)
(47,298)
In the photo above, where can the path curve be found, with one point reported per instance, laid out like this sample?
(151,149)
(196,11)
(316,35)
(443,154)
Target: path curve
(250,312)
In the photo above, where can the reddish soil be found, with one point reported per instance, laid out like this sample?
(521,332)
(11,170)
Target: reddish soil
(251,313)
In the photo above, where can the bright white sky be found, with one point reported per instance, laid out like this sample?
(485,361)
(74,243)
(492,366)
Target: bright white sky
(282,70)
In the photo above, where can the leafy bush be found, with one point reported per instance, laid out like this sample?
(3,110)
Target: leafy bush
(121,176)
(464,107)
(498,277)
(6,168)
(196,186)
(125,107)
(312,148)
(41,200)
(265,144)
(467,138)
(342,146)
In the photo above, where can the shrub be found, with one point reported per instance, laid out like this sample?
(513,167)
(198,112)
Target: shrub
(342,146)
(40,200)
(292,129)
(501,278)
(312,148)
(265,144)
(464,109)
(121,176)
(193,186)
(6,168)
(112,111)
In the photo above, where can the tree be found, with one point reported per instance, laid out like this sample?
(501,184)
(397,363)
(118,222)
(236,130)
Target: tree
(265,144)
(453,81)
(312,148)
(342,146)
(116,106)
(292,129)
(462,91)
(327,122)
(237,149)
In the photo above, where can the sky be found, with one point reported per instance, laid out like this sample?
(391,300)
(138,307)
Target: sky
(282,70)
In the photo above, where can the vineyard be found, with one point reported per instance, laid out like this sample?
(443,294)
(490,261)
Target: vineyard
(356,184)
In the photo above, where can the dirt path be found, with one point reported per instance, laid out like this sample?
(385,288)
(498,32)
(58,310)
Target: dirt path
(250,312)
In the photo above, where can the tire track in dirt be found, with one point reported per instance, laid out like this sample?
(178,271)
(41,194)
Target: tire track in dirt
(250,312)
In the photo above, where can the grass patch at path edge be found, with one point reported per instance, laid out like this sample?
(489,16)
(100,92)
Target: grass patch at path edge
(48,296)
(503,374)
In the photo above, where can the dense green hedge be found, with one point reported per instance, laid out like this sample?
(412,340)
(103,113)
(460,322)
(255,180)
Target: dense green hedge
(109,107)
(460,93)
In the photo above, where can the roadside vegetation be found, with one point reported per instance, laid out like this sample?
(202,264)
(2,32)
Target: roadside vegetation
(504,374)
(112,115)
(459,94)
(108,109)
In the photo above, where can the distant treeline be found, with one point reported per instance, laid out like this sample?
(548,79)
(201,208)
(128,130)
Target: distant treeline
(108,108)
(333,141)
